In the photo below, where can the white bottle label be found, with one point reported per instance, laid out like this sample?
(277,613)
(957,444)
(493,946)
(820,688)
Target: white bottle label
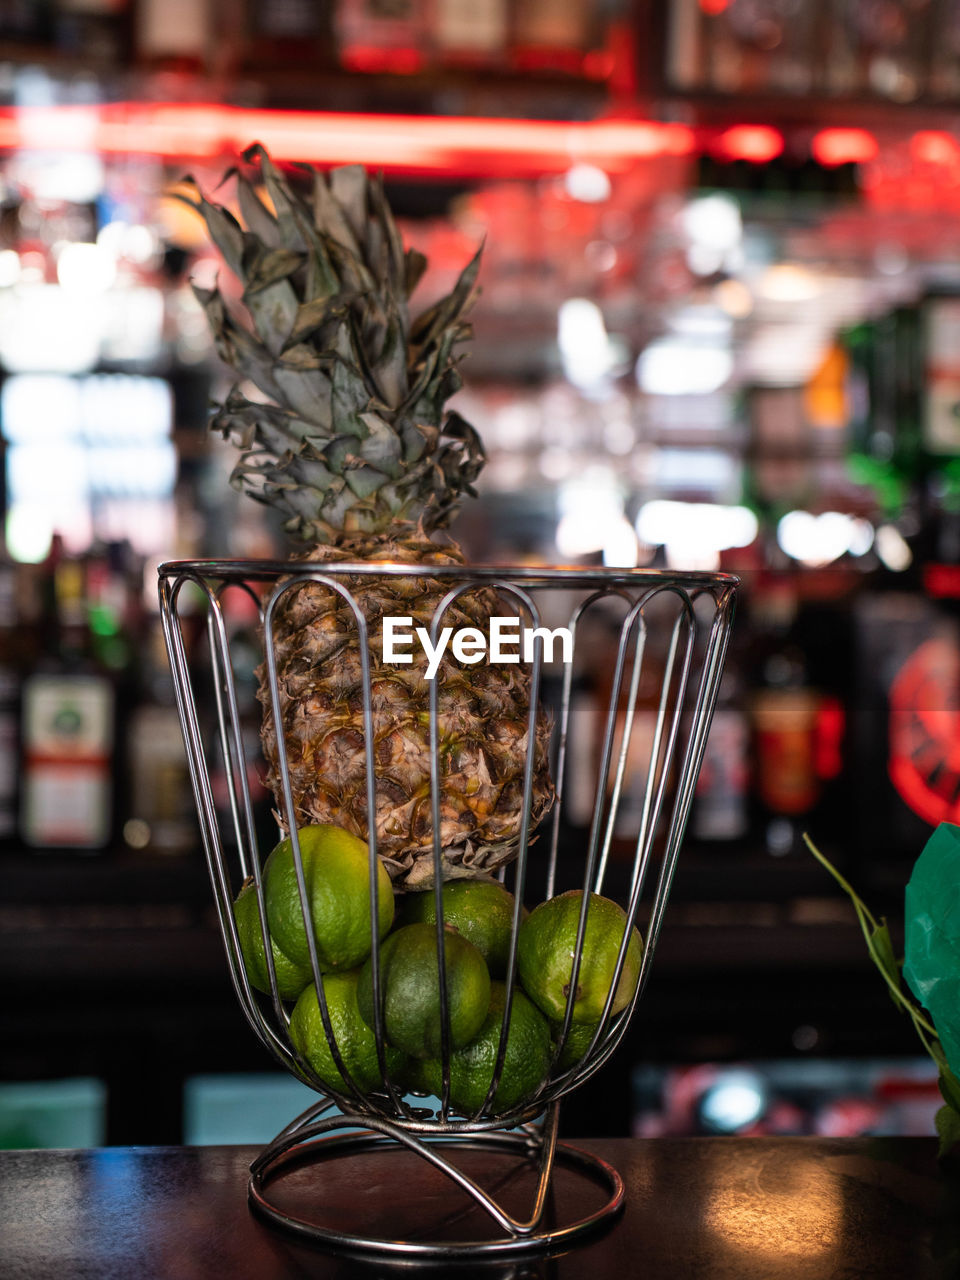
(68,750)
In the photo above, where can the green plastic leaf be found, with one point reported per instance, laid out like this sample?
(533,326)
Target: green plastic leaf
(932,936)
(880,945)
(948,1129)
(949,1086)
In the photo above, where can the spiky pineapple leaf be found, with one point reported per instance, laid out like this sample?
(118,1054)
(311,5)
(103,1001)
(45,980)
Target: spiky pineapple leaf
(235,345)
(273,310)
(262,426)
(309,469)
(390,369)
(303,357)
(308,393)
(458,428)
(257,217)
(358,341)
(383,217)
(415,264)
(350,397)
(313,315)
(364,481)
(338,453)
(329,218)
(272,266)
(352,272)
(356,407)
(225,231)
(414,438)
(282,197)
(348,186)
(432,322)
(322,281)
(382,447)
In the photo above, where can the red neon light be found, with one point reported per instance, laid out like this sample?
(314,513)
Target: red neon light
(426,144)
(843,146)
(931,146)
(757,143)
(713,8)
(924,732)
(373,60)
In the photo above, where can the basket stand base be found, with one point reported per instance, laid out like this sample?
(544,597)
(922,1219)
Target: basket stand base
(530,1154)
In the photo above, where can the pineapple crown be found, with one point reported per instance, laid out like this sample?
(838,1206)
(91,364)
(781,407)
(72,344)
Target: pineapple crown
(351,434)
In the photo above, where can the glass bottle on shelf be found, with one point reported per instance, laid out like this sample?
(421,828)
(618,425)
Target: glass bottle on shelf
(721,806)
(68,727)
(13,653)
(784,715)
(474,31)
(159,813)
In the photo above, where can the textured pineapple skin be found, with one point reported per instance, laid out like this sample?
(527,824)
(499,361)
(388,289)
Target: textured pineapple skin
(483,715)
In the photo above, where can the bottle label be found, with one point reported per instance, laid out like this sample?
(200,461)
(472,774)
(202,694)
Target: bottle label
(67,805)
(68,749)
(942,418)
(785,724)
(720,811)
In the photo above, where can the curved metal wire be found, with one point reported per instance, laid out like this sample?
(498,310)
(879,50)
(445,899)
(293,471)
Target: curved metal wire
(670,632)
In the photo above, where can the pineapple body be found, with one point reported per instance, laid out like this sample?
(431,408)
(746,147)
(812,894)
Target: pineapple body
(482,720)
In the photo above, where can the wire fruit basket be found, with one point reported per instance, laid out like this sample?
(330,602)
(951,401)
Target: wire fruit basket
(666,636)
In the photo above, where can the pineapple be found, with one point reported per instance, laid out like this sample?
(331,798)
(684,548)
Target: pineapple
(340,417)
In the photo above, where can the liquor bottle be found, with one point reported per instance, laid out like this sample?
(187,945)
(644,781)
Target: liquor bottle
(12,669)
(26,21)
(381,35)
(721,807)
(95,30)
(474,31)
(288,33)
(784,712)
(68,729)
(159,814)
(870,398)
(939,374)
(174,33)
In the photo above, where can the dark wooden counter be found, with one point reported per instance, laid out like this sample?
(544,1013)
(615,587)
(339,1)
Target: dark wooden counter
(723,1207)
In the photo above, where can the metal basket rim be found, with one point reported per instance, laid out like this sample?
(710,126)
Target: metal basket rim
(544,574)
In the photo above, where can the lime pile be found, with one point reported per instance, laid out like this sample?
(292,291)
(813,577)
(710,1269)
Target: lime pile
(476,941)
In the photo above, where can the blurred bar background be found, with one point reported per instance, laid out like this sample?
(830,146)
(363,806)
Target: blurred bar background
(719,328)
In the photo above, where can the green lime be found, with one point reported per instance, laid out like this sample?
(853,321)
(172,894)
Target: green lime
(480,910)
(579,1037)
(410,985)
(546,948)
(351,1034)
(416,1077)
(291,977)
(525,1063)
(336,868)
